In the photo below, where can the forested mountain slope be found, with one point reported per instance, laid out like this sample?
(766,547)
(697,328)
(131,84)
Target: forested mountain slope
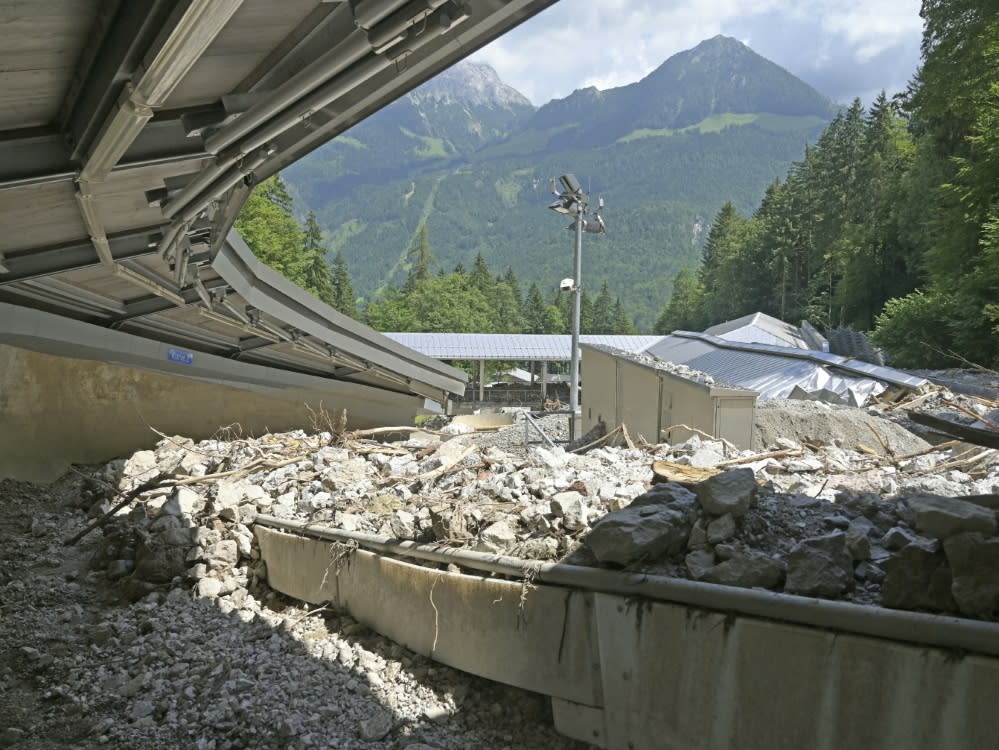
(467,159)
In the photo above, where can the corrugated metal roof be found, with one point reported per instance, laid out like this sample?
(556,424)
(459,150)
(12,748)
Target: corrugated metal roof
(513,347)
(760,328)
(776,371)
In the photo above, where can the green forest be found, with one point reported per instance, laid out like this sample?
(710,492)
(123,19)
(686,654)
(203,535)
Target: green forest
(268,226)
(713,124)
(889,223)
(431,300)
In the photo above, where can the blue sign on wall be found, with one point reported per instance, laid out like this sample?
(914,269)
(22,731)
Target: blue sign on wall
(180,356)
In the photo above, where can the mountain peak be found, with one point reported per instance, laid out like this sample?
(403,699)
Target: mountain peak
(472,84)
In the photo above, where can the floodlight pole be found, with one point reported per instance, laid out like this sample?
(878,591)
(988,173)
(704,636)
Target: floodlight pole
(577,291)
(572,200)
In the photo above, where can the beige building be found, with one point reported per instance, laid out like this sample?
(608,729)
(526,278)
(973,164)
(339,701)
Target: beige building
(659,402)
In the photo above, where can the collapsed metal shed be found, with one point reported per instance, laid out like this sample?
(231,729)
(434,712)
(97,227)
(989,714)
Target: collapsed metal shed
(781,371)
(661,403)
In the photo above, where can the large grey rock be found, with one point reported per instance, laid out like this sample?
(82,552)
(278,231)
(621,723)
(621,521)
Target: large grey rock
(858,542)
(943,517)
(699,562)
(376,727)
(897,538)
(820,566)
(729,492)
(747,569)
(656,523)
(974,564)
(721,529)
(917,577)
(159,561)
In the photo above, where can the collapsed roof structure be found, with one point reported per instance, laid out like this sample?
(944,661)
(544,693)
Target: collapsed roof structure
(779,360)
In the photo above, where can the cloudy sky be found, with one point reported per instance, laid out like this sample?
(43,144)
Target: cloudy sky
(844,48)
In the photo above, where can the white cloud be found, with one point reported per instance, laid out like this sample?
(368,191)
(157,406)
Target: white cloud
(848,46)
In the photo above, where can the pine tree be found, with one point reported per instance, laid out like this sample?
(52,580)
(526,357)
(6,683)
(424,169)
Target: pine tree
(420,257)
(511,280)
(318,277)
(480,277)
(343,289)
(603,318)
(622,323)
(271,232)
(683,312)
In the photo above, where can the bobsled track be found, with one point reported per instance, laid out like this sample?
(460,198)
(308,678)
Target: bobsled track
(640,662)
(131,134)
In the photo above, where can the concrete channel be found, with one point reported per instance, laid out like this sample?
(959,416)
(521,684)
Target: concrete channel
(636,662)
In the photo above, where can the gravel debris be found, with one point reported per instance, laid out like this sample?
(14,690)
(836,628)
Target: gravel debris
(158,629)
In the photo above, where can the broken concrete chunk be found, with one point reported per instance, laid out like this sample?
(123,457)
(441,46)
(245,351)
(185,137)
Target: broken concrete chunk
(229,495)
(497,537)
(942,517)
(729,492)
(569,506)
(403,525)
(141,466)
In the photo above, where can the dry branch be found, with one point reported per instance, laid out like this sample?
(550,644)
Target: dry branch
(973,415)
(666,431)
(149,484)
(783,453)
(445,468)
(627,438)
(599,441)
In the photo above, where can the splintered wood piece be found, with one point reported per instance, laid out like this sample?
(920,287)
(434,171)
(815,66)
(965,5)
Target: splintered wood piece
(687,476)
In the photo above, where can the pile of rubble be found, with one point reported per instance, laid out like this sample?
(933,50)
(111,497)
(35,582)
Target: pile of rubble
(876,522)
(837,503)
(104,643)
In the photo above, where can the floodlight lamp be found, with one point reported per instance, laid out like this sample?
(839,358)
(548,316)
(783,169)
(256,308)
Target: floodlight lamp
(564,206)
(571,184)
(567,285)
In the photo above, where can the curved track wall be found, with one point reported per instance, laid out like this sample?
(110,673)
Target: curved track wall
(640,673)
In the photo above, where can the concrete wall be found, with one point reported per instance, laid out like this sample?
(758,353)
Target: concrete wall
(648,400)
(473,623)
(636,674)
(55,411)
(677,678)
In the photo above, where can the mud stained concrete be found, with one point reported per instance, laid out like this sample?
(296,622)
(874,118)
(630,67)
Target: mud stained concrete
(57,411)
